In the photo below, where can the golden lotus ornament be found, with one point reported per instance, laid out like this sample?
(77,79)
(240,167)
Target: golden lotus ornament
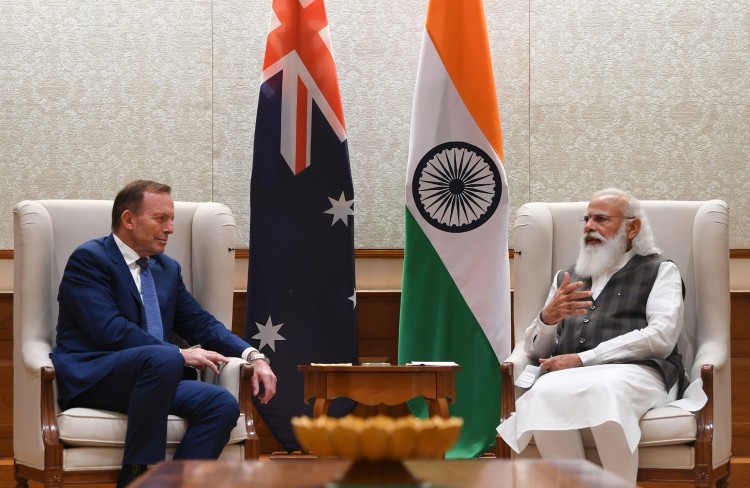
(377,444)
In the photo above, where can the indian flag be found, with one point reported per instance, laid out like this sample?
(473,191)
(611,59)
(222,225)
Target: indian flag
(455,302)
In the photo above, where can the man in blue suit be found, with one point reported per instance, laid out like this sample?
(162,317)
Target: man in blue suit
(113,354)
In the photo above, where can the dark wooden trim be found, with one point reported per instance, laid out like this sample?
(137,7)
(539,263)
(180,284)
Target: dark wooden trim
(391,253)
(361,253)
(379,253)
(358,253)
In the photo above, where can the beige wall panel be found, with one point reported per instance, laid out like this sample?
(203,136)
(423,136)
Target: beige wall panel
(652,96)
(649,96)
(508,26)
(239,38)
(376,46)
(95,94)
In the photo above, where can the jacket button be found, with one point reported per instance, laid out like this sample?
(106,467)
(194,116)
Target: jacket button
(585,321)
(593,307)
(583,339)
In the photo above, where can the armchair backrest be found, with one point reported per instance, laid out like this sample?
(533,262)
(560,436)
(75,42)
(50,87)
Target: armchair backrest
(45,234)
(47,231)
(694,235)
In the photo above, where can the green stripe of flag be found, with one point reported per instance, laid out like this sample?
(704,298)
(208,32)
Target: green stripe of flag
(437,325)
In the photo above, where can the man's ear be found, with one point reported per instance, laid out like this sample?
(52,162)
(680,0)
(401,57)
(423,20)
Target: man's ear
(634,227)
(126,219)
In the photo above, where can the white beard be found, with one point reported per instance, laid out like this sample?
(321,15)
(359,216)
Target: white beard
(596,260)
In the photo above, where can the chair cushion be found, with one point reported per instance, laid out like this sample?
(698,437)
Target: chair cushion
(660,457)
(98,458)
(667,426)
(667,457)
(92,427)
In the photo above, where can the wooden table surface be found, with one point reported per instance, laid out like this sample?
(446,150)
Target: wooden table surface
(438,473)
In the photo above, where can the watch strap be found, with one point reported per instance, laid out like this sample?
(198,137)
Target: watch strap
(258,355)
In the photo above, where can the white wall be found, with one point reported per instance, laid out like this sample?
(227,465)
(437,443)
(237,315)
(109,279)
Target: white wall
(652,96)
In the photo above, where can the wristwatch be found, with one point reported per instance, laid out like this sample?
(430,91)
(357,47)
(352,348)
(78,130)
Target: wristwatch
(258,355)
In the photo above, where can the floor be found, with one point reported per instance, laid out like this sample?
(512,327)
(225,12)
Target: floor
(740,477)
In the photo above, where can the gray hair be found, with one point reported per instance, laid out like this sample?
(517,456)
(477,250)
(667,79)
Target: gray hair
(643,243)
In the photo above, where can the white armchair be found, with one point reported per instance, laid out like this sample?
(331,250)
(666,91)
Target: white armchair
(82,445)
(676,445)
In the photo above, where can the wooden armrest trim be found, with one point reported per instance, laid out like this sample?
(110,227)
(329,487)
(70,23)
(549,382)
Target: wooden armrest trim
(245,397)
(53,450)
(507,407)
(508,400)
(705,434)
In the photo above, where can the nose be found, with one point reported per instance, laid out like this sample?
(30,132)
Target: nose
(589,226)
(169,227)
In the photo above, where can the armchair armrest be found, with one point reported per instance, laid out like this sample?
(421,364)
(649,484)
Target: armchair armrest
(35,354)
(507,406)
(236,376)
(509,370)
(519,358)
(230,376)
(705,432)
(713,353)
(53,450)
(517,361)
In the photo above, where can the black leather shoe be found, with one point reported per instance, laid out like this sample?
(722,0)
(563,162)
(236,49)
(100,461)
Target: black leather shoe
(128,473)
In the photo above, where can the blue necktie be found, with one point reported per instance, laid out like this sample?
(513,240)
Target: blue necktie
(150,301)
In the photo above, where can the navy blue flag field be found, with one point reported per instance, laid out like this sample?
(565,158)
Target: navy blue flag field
(301,293)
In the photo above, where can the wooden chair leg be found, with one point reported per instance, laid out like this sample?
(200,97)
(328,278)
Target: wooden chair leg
(21,481)
(53,478)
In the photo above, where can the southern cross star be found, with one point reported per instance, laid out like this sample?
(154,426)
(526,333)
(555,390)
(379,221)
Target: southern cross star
(268,334)
(340,209)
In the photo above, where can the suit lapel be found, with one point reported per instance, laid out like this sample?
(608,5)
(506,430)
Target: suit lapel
(122,272)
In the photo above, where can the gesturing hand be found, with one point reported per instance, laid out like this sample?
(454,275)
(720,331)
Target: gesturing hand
(201,359)
(566,302)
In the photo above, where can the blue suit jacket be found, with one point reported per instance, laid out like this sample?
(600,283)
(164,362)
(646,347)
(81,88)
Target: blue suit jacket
(101,313)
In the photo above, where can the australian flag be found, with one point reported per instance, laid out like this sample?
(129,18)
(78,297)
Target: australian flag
(301,295)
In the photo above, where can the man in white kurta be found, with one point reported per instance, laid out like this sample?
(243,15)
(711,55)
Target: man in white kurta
(606,339)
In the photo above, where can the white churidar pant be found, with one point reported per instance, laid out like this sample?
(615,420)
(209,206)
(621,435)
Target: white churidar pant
(609,398)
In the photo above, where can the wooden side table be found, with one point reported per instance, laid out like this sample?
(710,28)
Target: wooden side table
(375,385)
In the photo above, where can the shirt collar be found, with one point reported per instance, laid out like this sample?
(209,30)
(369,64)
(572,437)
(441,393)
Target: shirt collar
(130,256)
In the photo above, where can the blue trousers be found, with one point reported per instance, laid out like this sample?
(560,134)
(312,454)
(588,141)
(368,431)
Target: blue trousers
(147,384)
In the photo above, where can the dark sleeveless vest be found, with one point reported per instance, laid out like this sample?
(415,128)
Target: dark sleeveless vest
(620,308)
